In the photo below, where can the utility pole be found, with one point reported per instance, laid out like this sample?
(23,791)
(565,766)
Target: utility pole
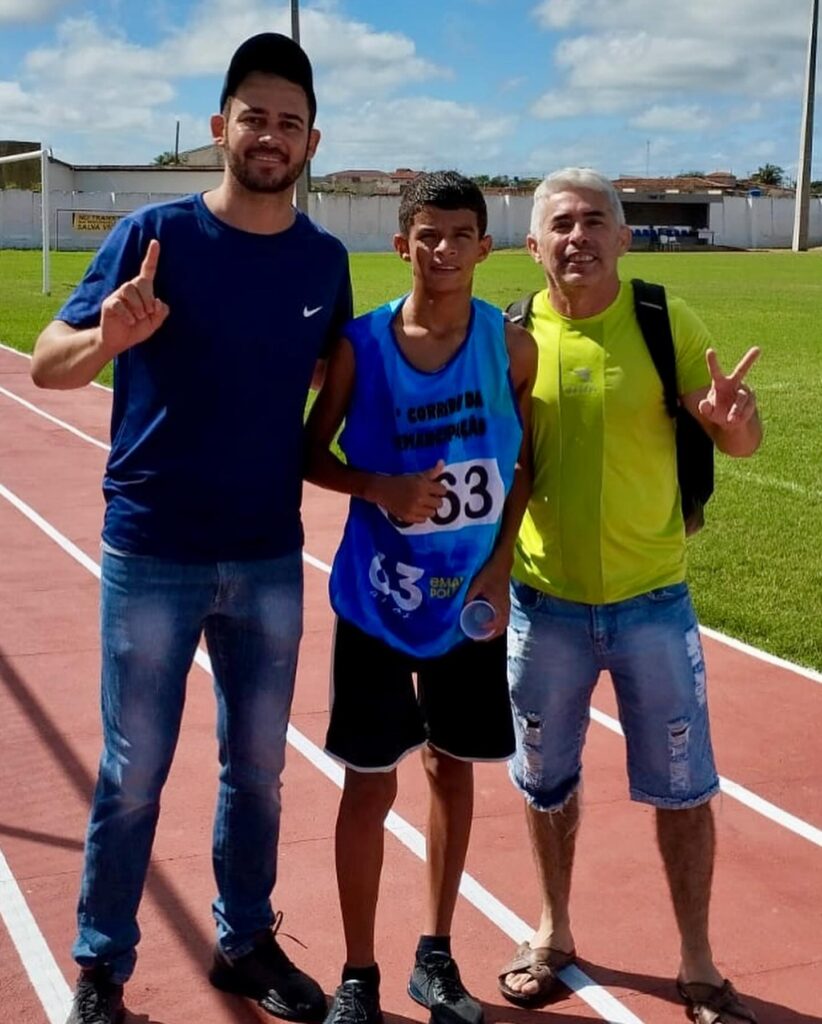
(803,176)
(303,182)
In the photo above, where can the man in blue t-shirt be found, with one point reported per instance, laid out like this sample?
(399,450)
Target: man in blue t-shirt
(216,309)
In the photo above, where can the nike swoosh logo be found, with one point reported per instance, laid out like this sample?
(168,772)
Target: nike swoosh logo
(310,312)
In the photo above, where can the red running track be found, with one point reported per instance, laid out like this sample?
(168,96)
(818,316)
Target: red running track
(767,909)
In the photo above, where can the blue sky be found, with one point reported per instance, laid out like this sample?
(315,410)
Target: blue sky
(517,87)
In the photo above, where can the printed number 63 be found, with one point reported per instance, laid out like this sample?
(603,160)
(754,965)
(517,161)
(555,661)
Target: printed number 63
(408,596)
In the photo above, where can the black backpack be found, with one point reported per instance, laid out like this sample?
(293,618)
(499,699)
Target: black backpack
(694,449)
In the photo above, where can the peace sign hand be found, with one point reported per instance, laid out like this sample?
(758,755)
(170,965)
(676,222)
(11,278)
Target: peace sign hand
(729,403)
(131,314)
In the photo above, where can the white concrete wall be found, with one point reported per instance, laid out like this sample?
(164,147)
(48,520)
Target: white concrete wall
(19,219)
(20,226)
(368,223)
(761,222)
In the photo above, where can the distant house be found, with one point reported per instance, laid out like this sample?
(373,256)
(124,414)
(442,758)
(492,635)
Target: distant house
(356,177)
(404,175)
(203,156)
(366,182)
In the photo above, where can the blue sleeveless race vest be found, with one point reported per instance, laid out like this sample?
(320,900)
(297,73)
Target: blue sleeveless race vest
(406,584)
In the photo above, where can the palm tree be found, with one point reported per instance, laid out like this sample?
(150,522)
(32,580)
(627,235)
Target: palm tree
(769,174)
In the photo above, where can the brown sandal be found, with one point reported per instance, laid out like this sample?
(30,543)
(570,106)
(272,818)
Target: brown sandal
(714,1004)
(543,965)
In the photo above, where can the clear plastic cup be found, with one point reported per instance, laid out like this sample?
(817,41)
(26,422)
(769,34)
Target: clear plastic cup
(476,619)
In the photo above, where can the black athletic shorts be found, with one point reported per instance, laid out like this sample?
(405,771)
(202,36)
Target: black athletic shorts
(461,704)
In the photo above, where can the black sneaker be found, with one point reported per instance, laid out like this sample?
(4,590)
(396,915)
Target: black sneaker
(435,983)
(355,1002)
(97,1000)
(267,975)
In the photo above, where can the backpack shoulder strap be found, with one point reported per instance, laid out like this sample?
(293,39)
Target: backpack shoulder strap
(518,312)
(651,309)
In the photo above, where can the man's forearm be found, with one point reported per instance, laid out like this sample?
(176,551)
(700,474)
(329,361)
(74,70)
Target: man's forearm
(65,358)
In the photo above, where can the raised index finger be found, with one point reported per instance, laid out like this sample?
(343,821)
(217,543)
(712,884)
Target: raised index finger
(745,363)
(148,268)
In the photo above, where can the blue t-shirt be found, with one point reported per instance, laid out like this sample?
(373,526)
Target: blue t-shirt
(207,416)
(406,584)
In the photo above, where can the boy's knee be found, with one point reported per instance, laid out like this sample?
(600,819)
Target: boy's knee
(445,771)
(369,794)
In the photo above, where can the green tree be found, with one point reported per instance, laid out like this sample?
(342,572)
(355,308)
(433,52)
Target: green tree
(769,174)
(166,159)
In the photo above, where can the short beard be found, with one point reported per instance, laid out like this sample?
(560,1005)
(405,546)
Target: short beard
(250,183)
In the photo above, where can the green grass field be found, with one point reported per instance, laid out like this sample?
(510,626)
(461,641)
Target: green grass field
(756,569)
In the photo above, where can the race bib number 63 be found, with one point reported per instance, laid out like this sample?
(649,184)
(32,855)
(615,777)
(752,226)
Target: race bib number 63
(475,497)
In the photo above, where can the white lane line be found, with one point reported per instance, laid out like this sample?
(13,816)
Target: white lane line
(53,534)
(745,796)
(44,974)
(316,563)
(26,935)
(27,355)
(754,652)
(53,419)
(722,638)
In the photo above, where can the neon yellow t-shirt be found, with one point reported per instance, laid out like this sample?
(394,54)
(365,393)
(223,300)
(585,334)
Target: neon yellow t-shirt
(604,521)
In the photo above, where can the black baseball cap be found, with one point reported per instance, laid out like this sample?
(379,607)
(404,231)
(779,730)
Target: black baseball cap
(275,54)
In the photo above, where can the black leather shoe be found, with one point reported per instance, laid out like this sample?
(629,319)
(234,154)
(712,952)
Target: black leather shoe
(268,976)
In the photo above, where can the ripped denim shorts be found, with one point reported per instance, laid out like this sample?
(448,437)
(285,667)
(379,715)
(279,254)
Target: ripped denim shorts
(650,644)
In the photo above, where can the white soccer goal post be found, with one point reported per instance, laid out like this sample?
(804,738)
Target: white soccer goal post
(43,155)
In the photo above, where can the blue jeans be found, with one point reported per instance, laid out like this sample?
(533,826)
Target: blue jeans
(650,644)
(152,614)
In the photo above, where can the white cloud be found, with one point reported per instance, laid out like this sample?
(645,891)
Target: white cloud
(685,118)
(351,59)
(414,133)
(705,19)
(28,12)
(652,53)
(556,104)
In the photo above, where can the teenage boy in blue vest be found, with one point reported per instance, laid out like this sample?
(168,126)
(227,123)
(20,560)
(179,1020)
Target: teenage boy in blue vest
(435,391)
(215,309)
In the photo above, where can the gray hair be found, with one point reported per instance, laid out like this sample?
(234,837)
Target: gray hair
(572,178)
